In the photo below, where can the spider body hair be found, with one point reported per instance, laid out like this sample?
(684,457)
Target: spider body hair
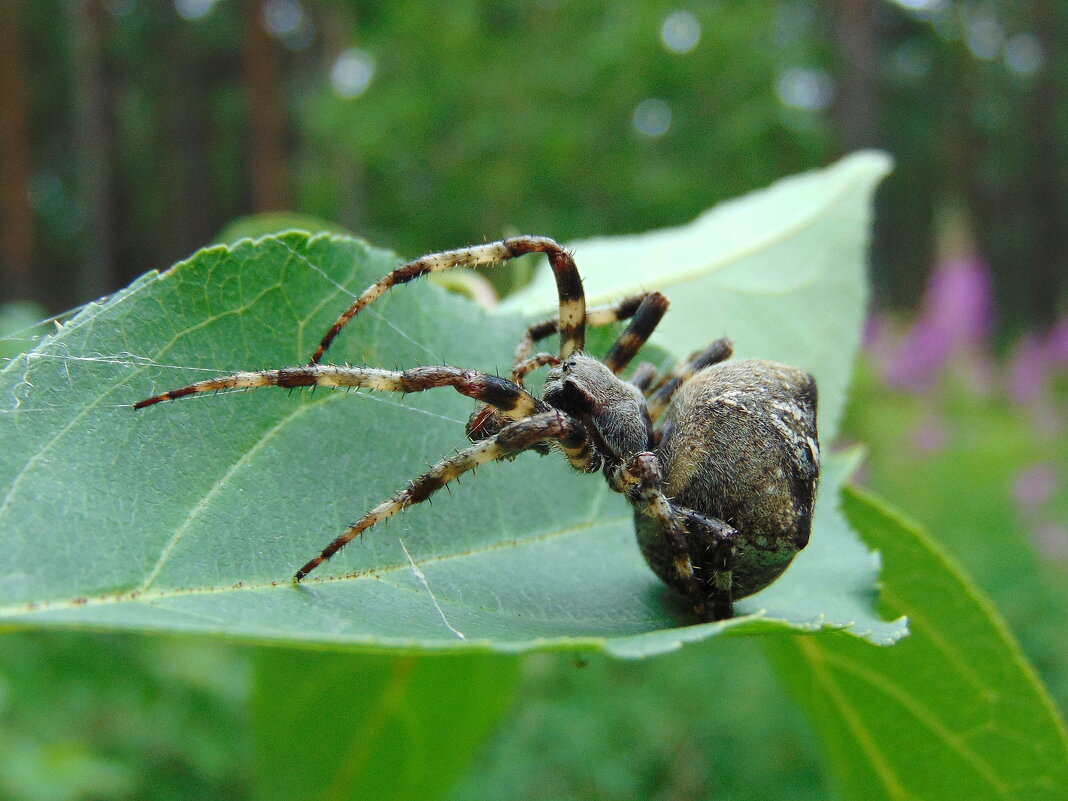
(739,445)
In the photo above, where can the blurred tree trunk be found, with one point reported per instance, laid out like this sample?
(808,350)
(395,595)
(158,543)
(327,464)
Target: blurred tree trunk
(95,132)
(187,176)
(856,107)
(16,216)
(899,262)
(1046,113)
(266,117)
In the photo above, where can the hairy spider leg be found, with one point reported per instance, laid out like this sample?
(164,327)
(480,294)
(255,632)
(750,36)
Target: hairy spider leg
(510,441)
(718,584)
(525,368)
(718,351)
(640,479)
(637,333)
(498,392)
(646,310)
(597,316)
(572,319)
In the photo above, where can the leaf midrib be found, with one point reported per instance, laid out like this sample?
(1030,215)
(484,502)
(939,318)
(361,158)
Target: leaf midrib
(136,595)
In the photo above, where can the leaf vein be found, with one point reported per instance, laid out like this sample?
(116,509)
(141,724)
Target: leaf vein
(924,715)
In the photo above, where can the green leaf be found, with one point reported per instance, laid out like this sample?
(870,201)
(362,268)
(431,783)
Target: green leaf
(779,271)
(953,711)
(372,726)
(193,516)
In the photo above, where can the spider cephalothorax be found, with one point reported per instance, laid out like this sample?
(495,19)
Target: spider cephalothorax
(720,461)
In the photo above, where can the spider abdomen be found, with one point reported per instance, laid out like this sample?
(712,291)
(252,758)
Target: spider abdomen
(739,445)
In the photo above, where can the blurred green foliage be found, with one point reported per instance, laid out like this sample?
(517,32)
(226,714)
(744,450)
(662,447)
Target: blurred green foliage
(478,121)
(486,120)
(97,716)
(706,722)
(345,725)
(533,131)
(430,124)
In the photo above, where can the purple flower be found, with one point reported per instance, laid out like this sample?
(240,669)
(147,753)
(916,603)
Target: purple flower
(960,300)
(930,434)
(957,315)
(1028,369)
(1057,343)
(1033,487)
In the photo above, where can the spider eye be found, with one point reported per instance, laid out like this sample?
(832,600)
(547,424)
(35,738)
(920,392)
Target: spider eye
(569,363)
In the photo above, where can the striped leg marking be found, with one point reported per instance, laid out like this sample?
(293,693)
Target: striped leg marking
(509,442)
(525,368)
(500,393)
(642,325)
(640,478)
(486,420)
(568,283)
(718,351)
(601,315)
(718,581)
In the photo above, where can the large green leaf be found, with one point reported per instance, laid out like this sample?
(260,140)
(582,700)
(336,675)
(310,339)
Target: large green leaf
(954,711)
(192,516)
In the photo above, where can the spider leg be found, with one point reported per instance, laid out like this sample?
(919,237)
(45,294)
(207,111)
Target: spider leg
(715,538)
(639,478)
(718,351)
(641,327)
(485,421)
(598,316)
(572,319)
(509,442)
(500,393)
(525,368)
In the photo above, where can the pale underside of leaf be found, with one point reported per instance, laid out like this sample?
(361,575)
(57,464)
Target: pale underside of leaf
(776,271)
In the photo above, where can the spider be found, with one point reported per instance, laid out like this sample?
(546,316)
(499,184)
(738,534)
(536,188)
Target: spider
(719,460)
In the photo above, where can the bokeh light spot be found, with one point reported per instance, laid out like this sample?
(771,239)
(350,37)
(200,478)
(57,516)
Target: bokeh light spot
(193,9)
(282,17)
(985,37)
(352,73)
(652,117)
(806,89)
(1024,54)
(680,32)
